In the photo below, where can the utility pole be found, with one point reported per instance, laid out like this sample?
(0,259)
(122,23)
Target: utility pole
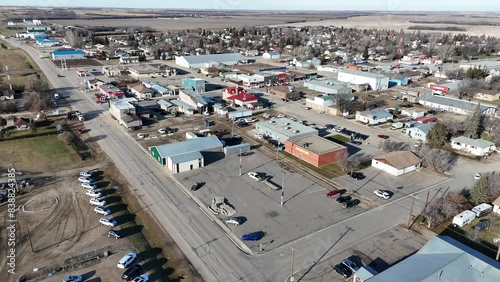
(411,211)
(291,265)
(282,188)
(278,150)
(427,199)
(240,161)
(29,236)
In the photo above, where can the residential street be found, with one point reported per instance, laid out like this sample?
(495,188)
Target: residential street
(204,243)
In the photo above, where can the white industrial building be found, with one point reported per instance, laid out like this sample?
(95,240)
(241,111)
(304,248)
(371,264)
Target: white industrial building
(397,163)
(476,147)
(282,129)
(455,105)
(186,155)
(124,111)
(272,55)
(328,86)
(203,61)
(376,81)
(420,131)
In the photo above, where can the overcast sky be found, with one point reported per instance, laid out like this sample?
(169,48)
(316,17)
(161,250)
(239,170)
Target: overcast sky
(380,5)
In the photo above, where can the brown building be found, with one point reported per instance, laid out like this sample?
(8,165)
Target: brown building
(316,150)
(284,92)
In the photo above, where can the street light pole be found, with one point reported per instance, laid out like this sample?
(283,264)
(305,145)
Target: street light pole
(282,188)
(291,265)
(240,161)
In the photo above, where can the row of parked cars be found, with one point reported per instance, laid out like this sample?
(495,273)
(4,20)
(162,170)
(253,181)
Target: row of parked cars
(345,200)
(353,134)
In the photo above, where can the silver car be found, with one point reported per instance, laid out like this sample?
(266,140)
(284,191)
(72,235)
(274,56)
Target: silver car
(233,220)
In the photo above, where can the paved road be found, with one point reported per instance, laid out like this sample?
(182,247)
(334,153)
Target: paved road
(204,244)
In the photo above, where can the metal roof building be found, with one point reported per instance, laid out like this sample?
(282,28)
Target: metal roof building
(455,105)
(185,155)
(328,86)
(68,54)
(203,61)
(442,259)
(282,129)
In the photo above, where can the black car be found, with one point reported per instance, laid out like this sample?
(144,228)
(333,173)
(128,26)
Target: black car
(329,126)
(114,233)
(132,272)
(356,175)
(351,203)
(196,186)
(343,270)
(343,199)
(484,224)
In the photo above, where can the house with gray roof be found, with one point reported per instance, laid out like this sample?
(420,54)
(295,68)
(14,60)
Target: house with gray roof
(420,131)
(194,99)
(441,259)
(374,116)
(186,155)
(203,61)
(328,86)
(476,147)
(455,105)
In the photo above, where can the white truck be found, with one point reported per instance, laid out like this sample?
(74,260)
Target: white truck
(463,218)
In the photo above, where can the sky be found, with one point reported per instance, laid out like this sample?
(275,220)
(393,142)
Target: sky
(322,5)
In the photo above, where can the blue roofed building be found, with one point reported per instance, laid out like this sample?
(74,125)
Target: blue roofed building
(441,259)
(44,42)
(68,54)
(187,155)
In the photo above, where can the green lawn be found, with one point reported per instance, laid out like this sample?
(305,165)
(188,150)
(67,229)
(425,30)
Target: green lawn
(330,171)
(38,154)
(340,139)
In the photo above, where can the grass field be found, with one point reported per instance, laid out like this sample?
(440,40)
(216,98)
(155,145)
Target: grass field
(21,67)
(38,154)
(330,171)
(340,139)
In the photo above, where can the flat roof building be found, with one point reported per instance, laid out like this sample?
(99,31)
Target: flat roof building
(283,129)
(376,81)
(328,86)
(316,150)
(186,155)
(203,61)
(68,54)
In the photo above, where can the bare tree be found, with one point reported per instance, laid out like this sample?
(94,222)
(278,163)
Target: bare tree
(388,146)
(436,159)
(469,87)
(66,137)
(433,212)
(445,51)
(353,162)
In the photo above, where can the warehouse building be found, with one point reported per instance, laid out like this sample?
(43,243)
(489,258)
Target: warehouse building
(374,80)
(186,155)
(283,129)
(124,111)
(204,61)
(316,150)
(68,55)
(196,84)
(455,105)
(328,86)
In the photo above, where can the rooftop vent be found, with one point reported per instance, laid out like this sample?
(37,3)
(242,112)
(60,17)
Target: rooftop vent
(271,121)
(287,127)
(286,123)
(295,131)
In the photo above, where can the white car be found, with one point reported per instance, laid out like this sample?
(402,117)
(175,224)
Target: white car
(280,116)
(254,176)
(107,221)
(266,115)
(97,202)
(101,210)
(476,175)
(127,260)
(142,278)
(85,173)
(142,135)
(85,179)
(93,193)
(88,186)
(382,194)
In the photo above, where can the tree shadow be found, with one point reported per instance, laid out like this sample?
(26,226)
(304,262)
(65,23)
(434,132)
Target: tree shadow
(88,275)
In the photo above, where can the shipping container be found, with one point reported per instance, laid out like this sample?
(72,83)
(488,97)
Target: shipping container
(236,149)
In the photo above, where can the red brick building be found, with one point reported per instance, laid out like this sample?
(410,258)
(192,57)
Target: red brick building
(316,150)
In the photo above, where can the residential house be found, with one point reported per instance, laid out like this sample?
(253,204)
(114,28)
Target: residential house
(488,95)
(419,131)
(476,147)
(455,105)
(374,116)
(167,106)
(110,71)
(22,123)
(93,84)
(397,163)
(141,92)
(272,55)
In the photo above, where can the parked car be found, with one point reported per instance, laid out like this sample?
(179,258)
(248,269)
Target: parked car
(333,193)
(280,116)
(259,135)
(196,186)
(483,224)
(476,175)
(233,220)
(307,108)
(97,202)
(107,222)
(255,176)
(142,278)
(343,270)
(72,278)
(343,199)
(382,194)
(86,173)
(85,180)
(89,186)
(382,136)
(329,126)
(79,130)
(356,175)
(350,203)
(254,236)
(350,264)
(101,210)
(356,142)
(126,260)
(132,272)
(142,135)
(114,233)
(93,193)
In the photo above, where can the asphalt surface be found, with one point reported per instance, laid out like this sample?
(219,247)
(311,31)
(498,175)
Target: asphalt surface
(205,244)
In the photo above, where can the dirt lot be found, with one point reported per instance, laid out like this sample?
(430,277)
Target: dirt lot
(21,67)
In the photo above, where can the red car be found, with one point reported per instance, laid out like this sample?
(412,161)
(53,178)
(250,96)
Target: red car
(79,130)
(383,136)
(333,193)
